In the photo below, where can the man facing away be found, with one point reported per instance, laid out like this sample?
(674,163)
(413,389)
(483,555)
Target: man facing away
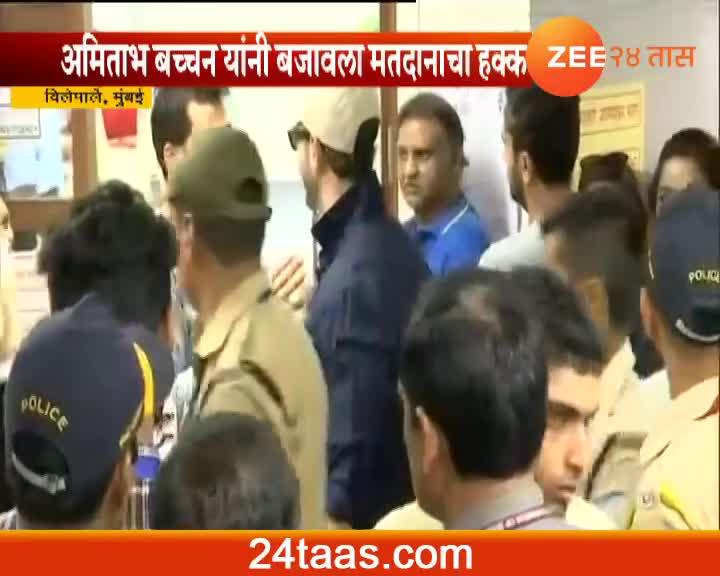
(431,161)
(597,243)
(177,114)
(474,391)
(116,247)
(575,357)
(253,357)
(368,277)
(678,488)
(541,136)
(70,467)
(227,472)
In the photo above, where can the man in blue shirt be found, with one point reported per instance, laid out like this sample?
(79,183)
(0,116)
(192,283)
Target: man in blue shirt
(368,278)
(431,161)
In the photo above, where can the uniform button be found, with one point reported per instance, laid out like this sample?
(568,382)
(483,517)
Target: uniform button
(648,500)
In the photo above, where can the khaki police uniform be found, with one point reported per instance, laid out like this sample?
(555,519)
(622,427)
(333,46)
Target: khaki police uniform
(625,414)
(256,359)
(411,517)
(252,356)
(679,486)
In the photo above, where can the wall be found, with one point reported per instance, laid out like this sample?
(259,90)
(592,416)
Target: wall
(675,98)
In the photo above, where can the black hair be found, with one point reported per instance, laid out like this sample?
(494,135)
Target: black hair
(169,119)
(692,143)
(569,335)
(474,362)
(430,106)
(37,506)
(602,235)
(227,472)
(611,167)
(547,127)
(114,245)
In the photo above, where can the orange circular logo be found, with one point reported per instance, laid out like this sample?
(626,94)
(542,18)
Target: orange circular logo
(565,56)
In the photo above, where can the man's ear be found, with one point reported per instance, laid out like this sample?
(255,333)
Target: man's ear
(650,320)
(314,154)
(165,330)
(525,167)
(592,292)
(430,441)
(169,154)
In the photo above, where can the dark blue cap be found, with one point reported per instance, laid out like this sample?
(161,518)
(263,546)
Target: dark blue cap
(82,382)
(685,264)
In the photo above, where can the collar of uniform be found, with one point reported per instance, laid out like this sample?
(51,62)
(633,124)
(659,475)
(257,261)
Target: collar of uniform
(615,378)
(362,200)
(521,494)
(214,333)
(587,516)
(443,221)
(694,404)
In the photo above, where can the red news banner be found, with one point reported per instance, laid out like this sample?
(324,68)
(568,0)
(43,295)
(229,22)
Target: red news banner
(263,59)
(359,553)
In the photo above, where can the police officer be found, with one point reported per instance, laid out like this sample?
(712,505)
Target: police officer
(253,357)
(678,488)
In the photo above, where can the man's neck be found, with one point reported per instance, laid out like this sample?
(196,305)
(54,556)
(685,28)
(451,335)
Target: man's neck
(432,210)
(474,493)
(330,190)
(222,281)
(691,365)
(544,200)
(615,343)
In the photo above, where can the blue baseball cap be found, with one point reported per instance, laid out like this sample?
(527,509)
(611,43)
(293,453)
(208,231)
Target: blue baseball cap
(82,382)
(684,264)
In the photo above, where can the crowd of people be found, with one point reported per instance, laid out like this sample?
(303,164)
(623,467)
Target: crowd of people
(565,377)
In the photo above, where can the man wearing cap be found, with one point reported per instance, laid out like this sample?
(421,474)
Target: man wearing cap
(678,489)
(368,277)
(130,272)
(252,355)
(78,390)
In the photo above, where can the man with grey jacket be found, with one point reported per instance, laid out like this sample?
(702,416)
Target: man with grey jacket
(474,391)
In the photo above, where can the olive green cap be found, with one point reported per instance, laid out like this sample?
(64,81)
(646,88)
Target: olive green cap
(211,181)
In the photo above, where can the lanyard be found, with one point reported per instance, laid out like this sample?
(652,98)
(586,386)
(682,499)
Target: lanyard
(522,519)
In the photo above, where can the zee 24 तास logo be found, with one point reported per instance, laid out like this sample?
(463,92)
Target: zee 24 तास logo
(566,56)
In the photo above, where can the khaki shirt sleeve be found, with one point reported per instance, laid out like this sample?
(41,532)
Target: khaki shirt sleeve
(616,475)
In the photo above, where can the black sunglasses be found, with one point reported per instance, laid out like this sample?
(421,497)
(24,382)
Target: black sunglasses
(297,134)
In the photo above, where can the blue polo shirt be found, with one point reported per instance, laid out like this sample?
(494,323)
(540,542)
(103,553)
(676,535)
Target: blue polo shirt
(456,238)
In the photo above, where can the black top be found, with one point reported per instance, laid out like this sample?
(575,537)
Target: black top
(368,279)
